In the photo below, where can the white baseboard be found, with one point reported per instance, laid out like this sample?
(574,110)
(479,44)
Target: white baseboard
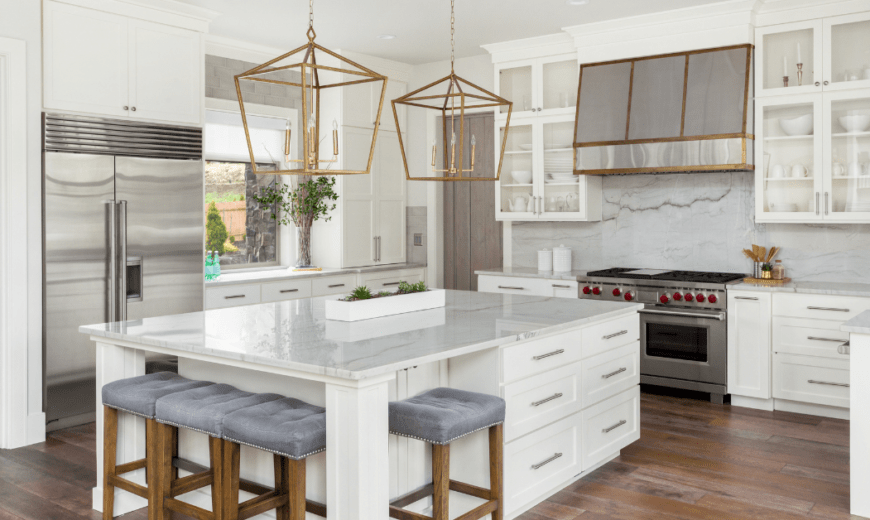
(35,428)
(821,410)
(752,402)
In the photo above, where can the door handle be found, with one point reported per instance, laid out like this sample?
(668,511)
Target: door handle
(547,400)
(826,202)
(615,426)
(817,203)
(514,288)
(336,285)
(553,353)
(608,376)
(379,249)
(834,309)
(561,286)
(745,298)
(824,339)
(234,296)
(828,383)
(390,283)
(122,259)
(720,317)
(112,225)
(375,252)
(845,348)
(620,333)
(545,462)
(289,291)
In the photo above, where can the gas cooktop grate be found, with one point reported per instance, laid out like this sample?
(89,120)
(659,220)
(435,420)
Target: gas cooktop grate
(674,276)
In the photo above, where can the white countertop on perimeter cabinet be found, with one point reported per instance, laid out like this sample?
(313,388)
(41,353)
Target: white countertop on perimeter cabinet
(860,324)
(295,334)
(526,272)
(287,273)
(830,288)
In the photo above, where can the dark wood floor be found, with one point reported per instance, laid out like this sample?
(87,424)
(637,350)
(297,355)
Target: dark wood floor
(695,460)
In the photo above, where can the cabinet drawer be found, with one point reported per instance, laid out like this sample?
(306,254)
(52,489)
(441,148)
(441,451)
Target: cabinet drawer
(809,337)
(289,290)
(819,306)
(541,399)
(610,373)
(512,285)
(540,461)
(564,289)
(610,426)
(392,283)
(811,379)
(232,296)
(540,355)
(610,334)
(333,285)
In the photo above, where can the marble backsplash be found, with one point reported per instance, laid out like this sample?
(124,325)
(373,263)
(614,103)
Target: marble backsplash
(695,222)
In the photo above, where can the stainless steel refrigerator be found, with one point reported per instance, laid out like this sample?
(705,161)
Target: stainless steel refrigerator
(123,240)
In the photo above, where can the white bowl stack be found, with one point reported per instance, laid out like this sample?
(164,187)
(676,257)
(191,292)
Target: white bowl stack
(559,170)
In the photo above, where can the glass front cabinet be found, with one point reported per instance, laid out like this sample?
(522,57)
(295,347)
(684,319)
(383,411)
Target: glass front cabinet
(813,139)
(537,180)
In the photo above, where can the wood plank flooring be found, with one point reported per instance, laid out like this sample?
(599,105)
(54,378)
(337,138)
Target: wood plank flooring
(695,460)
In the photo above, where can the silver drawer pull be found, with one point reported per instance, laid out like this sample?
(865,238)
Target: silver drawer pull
(608,376)
(545,462)
(745,298)
(289,290)
(561,286)
(234,296)
(391,283)
(828,383)
(553,353)
(615,426)
(547,400)
(620,333)
(827,309)
(845,348)
(336,285)
(514,288)
(824,339)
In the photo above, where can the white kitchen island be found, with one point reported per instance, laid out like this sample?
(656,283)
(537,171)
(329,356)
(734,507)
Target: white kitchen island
(859,424)
(568,370)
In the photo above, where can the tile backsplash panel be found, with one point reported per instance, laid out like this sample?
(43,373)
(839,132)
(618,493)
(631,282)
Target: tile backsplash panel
(415,222)
(695,222)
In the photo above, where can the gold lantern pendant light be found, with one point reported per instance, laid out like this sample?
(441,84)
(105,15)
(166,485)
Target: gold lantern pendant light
(313,79)
(453,97)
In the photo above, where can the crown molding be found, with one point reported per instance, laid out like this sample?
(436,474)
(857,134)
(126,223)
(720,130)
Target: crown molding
(774,12)
(168,12)
(548,45)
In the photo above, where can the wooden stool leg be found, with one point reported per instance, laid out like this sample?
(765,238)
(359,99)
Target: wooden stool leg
(282,486)
(216,456)
(168,435)
(440,481)
(496,483)
(231,471)
(152,467)
(110,454)
(295,478)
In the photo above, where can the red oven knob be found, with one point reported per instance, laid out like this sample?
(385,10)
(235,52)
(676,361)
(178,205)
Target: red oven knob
(596,291)
(629,296)
(587,290)
(678,296)
(617,291)
(689,297)
(712,298)
(664,298)
(700,298)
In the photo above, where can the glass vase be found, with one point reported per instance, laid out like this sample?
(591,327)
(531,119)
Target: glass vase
(303,247)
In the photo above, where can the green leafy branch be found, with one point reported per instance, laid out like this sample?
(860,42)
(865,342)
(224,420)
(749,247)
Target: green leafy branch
(310,200)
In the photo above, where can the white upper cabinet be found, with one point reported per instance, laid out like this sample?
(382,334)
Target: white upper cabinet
(108,64)
(360,103)
(832,51)
(539,87)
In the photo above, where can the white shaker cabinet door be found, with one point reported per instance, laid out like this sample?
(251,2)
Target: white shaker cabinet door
(358,201)
(390,200)
(395,89)
(749,344)
(85,60)
(165,73)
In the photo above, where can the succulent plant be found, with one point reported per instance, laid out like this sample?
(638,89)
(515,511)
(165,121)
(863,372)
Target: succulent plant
(360,293)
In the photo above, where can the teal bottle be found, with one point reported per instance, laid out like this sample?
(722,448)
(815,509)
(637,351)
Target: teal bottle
(208,266)
(216,270)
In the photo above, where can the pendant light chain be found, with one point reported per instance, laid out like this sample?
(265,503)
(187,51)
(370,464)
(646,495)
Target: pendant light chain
(311,13)
(452,34)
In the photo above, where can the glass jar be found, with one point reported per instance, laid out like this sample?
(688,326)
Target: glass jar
(778,271)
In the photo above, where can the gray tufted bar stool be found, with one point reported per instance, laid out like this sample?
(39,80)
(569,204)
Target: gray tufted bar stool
(290,429)
(137,396)
(439,417)
(202,410)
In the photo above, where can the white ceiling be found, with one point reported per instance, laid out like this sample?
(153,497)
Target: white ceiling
(422,28)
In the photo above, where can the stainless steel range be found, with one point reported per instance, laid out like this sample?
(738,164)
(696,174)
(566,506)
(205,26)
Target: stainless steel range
(683,326)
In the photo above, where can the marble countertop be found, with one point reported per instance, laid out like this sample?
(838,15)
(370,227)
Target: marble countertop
(284,273)
(295,334)
(832,288)
(526,272)
(860,324)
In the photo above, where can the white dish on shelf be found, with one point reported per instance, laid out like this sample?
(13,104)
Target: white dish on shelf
(855,122)
(522,176)
(802,125)
(525,147)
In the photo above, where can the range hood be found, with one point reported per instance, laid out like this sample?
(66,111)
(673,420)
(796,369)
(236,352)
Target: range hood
(673,113)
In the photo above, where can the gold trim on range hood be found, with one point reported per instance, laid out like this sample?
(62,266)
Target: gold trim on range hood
(746,160)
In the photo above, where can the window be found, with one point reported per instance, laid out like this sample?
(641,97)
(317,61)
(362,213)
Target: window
(250,236)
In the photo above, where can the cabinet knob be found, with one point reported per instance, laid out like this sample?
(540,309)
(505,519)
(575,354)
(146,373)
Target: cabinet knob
(133,109)
(126,107)
(826,82)
(817,83)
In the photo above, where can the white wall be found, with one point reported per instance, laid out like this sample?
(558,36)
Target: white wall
(21,19)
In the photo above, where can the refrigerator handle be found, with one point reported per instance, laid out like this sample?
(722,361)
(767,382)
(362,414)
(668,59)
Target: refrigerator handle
(112,218)
(121,261)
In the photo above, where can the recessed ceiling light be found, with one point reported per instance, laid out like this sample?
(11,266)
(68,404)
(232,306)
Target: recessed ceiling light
(387,36)
(577,2)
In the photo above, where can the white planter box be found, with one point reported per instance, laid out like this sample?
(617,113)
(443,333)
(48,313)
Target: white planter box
(385,306)
(350,331)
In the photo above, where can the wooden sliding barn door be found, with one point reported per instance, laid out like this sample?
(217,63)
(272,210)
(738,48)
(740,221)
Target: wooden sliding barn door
(472,236)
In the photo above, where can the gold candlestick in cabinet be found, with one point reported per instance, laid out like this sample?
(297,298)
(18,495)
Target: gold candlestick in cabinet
(334,137)
(434,148)
(472,151)
(287,143)
(453,154)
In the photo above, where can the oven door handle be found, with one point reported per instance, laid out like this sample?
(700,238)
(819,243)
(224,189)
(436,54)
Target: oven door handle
(720,316)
